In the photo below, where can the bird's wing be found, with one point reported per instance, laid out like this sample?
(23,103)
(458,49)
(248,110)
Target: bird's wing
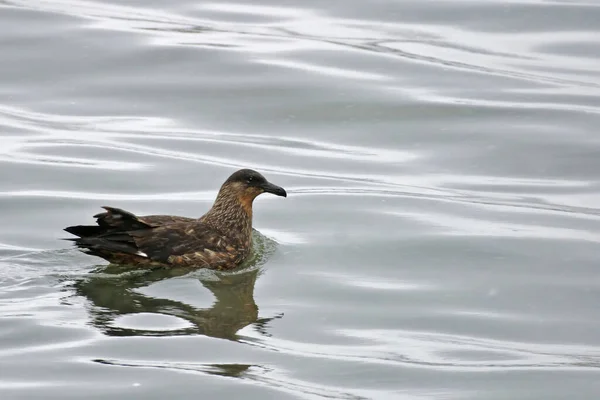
(185,243)
(113,220)
(118,219)
(165,239)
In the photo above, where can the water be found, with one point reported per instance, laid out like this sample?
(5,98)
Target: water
(439,241)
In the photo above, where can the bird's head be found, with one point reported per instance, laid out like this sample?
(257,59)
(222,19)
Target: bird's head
(247,184)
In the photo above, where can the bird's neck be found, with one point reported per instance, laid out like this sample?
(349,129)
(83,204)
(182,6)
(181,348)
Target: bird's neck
(232,216)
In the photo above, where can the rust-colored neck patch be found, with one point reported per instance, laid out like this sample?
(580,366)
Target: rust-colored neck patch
(247,197)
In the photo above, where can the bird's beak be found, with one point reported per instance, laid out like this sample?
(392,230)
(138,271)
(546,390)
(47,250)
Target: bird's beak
(276,190)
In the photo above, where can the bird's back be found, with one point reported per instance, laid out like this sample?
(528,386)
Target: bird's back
(159,240)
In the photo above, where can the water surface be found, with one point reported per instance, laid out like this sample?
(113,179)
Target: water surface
(439,241)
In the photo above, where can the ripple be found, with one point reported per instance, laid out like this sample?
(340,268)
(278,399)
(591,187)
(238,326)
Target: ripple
(150,322)
(258,10)
(108,134)
(449,48)
(466,226)
(182,196)
(323,70)
(442,351)
(369,282)
(264,376)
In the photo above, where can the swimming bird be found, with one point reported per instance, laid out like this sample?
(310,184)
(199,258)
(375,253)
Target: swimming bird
(221,239)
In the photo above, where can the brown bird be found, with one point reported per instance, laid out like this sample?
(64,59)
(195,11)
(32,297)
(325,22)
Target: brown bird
(221,239)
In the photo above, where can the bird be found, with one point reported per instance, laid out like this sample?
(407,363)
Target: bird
(221,239)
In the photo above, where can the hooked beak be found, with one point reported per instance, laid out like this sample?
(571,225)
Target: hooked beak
(276,190)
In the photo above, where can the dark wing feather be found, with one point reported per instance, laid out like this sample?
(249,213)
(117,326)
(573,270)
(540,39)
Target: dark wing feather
(113,220)
(156,238)
(110,243)
(85,230)
(179,239)
(116,218)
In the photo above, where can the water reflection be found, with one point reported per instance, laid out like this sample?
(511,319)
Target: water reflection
(113,296)
(226,370)
(115,292)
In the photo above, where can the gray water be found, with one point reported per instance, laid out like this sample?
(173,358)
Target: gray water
(439,240)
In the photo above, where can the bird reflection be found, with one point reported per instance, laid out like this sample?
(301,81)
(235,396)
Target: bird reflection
(113,296)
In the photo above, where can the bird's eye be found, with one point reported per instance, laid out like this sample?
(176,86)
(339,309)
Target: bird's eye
(250,179)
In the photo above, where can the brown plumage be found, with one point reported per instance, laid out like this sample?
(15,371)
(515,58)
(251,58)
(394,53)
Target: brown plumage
(220,239)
